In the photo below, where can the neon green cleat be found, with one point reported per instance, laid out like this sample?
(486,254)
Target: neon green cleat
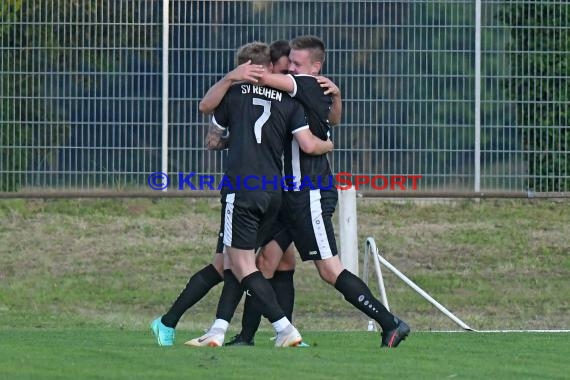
(164,335)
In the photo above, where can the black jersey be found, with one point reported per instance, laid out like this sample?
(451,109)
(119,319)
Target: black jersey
(260,121)
(317,105)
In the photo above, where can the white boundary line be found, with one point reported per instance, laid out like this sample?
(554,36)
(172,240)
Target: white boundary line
(498,331)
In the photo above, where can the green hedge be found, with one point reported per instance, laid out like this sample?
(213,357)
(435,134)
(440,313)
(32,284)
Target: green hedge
(540,64)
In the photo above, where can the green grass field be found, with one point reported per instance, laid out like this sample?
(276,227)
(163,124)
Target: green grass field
(119,354)
(82,279)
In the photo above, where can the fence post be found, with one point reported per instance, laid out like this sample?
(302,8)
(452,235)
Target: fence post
(165,27)
(348,229)
(477,158)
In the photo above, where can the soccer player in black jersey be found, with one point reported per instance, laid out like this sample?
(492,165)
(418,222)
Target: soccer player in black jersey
(310,209)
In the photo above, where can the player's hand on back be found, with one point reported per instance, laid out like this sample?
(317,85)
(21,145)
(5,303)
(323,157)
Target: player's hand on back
(329,86)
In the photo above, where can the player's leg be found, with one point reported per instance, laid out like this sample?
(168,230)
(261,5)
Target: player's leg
(196,288)
(199,284)
(251,317)
(280,274)
(269,259)
(354,290)
(320,246)
(282,281)
(357,293)
(227,304)
(229,298)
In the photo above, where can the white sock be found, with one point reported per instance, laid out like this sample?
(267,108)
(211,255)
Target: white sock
(281,324)
(220,324)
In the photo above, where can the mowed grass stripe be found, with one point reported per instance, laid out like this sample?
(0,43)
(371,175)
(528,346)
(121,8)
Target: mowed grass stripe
(120,354)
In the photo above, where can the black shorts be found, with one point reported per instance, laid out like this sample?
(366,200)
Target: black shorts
(280,231)
(247,217)
(310,222)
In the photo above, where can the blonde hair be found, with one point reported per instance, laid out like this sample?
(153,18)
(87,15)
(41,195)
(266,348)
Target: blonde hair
(257,52)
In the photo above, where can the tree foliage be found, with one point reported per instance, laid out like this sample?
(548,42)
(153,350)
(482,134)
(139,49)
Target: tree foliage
(539,85)
(25,115)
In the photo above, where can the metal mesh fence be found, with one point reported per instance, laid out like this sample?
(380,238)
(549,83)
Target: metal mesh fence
(467,94)
(80,93)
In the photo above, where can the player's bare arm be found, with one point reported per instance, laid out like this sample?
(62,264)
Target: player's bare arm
(217,138)
(279,81)
(332,89)
(285,83)
(244,72)
(311,144)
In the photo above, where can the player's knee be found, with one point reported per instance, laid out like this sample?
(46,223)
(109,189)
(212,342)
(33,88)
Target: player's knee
(329,269)
(326,274)
(328,277)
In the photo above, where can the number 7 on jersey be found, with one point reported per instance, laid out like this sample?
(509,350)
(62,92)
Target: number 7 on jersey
(261,119)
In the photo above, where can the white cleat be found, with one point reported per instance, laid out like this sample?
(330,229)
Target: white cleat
(211,338)
(290,337)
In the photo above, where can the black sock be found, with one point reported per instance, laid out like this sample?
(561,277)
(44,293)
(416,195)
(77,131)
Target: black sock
(197,287)
(257,286)
(358,294)
(251,319)
(230,297)
(282,284)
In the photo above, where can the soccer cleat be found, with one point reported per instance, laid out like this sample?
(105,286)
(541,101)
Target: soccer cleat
(212,338)
(300,345)
(239,341)
(290,337)
(393,337)
(164,335)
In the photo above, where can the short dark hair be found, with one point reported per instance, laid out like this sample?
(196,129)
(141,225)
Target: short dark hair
(312,43)
(278,49)
(257,52)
